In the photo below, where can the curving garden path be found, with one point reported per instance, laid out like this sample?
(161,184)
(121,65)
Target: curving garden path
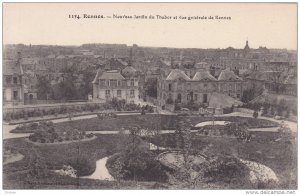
(290,124)
(8,135)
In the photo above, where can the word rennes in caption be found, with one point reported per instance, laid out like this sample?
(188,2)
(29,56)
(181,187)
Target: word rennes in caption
(150,17)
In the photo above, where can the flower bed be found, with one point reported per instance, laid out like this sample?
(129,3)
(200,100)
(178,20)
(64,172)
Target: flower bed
(48,134)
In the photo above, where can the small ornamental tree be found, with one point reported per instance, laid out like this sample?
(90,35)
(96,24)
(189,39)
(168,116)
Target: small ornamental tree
(255,114)
(37,166)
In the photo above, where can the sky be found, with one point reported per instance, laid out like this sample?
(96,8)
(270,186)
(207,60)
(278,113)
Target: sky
(273,25)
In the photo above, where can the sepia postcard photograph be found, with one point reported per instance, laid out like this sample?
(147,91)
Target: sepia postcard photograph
(144,96)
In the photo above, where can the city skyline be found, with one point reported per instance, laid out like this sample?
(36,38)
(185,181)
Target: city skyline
(263,24)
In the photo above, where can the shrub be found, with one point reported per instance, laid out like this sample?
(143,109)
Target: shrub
(255,114)
(225,169)
(89,135)
(83,165)
(33,138)
(114,115)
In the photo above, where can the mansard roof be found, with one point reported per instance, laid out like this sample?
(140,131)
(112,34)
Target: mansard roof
(177,74)
(228,75)
(108,75)
(203,76)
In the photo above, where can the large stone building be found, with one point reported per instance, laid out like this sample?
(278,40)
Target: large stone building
(180,88)
(13,91)
(118,84)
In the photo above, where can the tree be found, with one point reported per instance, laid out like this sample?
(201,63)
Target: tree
(255,114)
(151,87)
(248,95)
(37,166)
(44,88)
(183,135)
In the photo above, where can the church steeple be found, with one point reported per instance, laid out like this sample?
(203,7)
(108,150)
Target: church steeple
(246,49)
(247,46)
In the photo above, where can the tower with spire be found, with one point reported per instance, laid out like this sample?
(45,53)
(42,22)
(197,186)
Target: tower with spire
(246,48)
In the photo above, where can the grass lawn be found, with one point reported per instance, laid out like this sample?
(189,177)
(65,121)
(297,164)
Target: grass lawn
(279,156)
(15,174)
(151,121)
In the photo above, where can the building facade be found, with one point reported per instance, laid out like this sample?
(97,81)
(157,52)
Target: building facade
(13,91)
(177,87)
(123,85)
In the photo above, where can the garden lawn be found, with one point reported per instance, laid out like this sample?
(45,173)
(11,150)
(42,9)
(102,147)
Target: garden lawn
(164,122)
(150,121)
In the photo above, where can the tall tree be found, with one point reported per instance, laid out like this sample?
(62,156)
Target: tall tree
(44,88)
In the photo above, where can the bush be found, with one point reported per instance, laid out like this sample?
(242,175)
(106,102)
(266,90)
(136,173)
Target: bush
(89,135)
(83,165)
(139,164)
(255,114)
(32,138)
(226,169)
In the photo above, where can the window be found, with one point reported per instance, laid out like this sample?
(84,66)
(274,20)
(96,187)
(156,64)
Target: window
(131,82)
(15,95)
(188,97)
(204,98)
(108,83)
(119,93)
(238,95)
(107,93)
(205,85)
(179,98)
(195,97)
(118,83)
(8,79)
(15,80)
(170,87)
(131,93)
